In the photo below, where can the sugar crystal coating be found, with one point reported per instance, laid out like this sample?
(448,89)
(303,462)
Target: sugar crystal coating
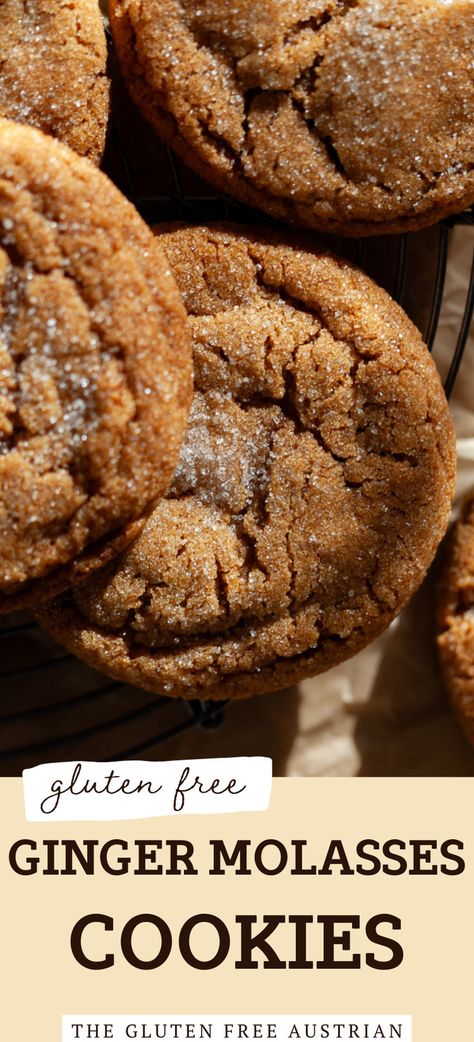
(53,70)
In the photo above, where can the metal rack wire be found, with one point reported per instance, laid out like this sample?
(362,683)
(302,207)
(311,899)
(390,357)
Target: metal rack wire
(53,706)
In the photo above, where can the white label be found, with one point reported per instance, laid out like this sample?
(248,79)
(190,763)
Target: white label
(131,789)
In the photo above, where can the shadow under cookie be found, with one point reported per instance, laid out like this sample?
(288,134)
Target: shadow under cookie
(406,727)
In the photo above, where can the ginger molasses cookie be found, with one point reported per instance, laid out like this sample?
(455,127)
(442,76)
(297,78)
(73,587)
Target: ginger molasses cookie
(313,486)
(95,367)
(456,617)
(352,116)
(52,70)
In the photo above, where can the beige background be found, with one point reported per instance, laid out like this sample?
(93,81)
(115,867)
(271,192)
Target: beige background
(41,980)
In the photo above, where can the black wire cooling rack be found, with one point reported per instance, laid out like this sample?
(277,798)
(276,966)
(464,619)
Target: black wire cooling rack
(52,706)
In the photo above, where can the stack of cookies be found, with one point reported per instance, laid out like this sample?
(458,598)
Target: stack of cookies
(226,458)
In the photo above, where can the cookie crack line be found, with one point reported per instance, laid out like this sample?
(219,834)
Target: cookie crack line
(323,636)
(245,626)
(317,22)
(268,284)
(204,37)
(219,141)
(279,288)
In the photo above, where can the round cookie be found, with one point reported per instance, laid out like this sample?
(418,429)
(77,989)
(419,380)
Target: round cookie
(95,367)
(326,113)
(52,70)
(456,617)
(313,487)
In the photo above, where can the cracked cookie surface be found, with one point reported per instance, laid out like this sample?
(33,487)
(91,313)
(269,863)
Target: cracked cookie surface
(313,487)
(53,70)
(95,367)
(352,116)
(456,617)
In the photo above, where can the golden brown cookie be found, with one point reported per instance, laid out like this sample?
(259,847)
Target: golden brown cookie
(52,70)
(95,367)
(351,116)
(456,617)
(313,487)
